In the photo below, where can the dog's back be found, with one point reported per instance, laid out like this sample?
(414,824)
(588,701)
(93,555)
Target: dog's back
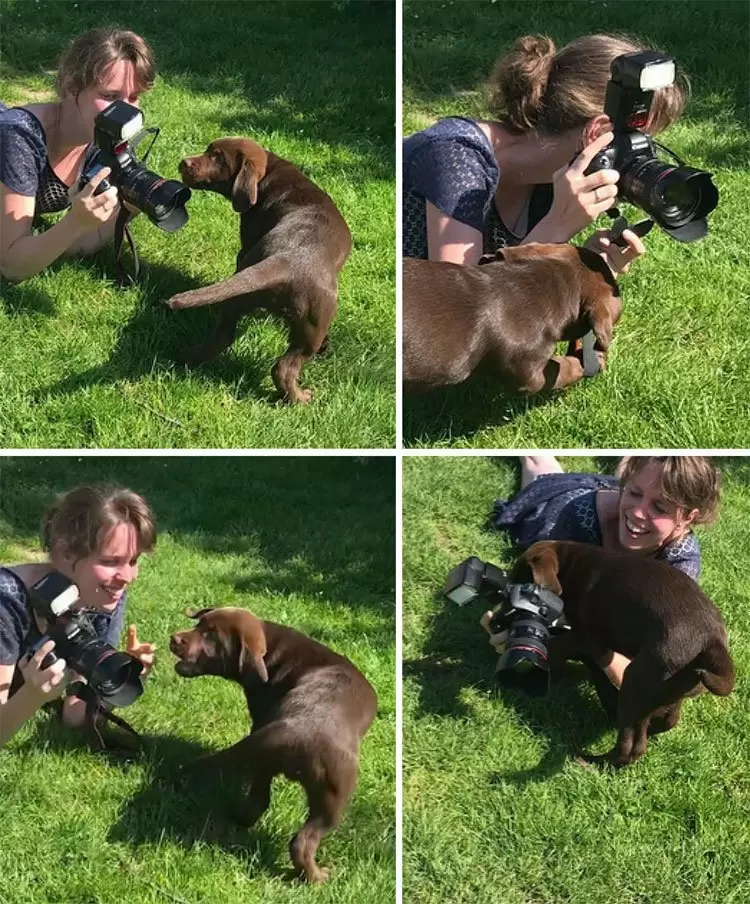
(506,313)
(312,686)
(630,604)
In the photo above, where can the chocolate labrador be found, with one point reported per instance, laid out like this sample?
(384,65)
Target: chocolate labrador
(505,316)
(648,611)
(310,708)
(293,243)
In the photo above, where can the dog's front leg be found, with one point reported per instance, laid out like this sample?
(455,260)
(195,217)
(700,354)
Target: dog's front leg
(562,371)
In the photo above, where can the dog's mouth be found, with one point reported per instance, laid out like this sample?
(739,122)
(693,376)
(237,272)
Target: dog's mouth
(187,669)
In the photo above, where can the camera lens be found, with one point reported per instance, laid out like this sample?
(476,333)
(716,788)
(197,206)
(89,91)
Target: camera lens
(162,200)
(113,675)
(674,196)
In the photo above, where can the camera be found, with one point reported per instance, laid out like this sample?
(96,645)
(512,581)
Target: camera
(526,611)
(116,130)
(112,675)
(678,198)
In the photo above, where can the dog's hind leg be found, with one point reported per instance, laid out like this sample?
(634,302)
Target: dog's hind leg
(306,337)
(327,802)
(220,340)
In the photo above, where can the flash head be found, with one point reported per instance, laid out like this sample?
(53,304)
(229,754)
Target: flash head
(53,594)
(647,70)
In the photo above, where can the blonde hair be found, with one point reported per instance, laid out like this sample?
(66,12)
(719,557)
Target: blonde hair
(688,481)
(81,518)
(86,61)
(538,88)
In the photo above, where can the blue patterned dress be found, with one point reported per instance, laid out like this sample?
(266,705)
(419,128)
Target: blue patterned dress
(452,165)
(563,507)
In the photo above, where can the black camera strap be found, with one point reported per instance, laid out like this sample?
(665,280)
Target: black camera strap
(125,279)
(97,712)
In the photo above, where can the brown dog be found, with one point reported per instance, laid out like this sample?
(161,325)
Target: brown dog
(293,243)
(505,315)
(310,708)
(649,612)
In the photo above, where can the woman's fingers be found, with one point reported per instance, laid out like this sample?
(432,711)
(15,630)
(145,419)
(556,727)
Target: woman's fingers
(582,161)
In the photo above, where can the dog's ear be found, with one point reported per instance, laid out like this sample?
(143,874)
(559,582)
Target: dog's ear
(601,324)
(199,613)
(253,649)
(542,559)
(245,188)
(490,258)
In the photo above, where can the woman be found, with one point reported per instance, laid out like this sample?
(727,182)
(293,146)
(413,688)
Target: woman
(45,147)
(648,508)
(94,536)
(473,187)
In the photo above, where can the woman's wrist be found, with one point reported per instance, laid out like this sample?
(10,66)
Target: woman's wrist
(549,230)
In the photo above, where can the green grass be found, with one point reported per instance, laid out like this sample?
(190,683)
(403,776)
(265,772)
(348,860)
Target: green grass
(678,371)
(305,542)
(495,809)
(88,365)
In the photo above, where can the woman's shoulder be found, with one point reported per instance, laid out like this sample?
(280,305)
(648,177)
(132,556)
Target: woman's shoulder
(22,122)
(13,594)
(452,128)
(23,150)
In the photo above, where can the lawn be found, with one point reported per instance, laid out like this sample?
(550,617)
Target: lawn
(305,542)
(678,371)
(86,364)
(495,808)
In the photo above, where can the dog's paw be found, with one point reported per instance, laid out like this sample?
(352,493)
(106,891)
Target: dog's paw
(318,875)
(181,300)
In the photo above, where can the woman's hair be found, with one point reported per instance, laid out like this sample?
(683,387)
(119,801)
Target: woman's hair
(86,61)
(688,481)
(536,87)
(81,519)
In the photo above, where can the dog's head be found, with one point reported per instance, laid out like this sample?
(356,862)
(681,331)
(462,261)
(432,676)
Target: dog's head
(227,642)
(233,167)
(540,564)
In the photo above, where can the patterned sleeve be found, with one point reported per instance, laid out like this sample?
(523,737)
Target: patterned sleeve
(455,177)
(22,156)
(683,554)
(14,618)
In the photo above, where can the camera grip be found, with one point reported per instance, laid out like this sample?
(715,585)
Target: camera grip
(49,659)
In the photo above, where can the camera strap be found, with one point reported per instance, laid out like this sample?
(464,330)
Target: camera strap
(125,279)
(97,712)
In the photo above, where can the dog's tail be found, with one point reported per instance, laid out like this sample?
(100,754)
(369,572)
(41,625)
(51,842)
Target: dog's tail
(715,668)
(266,274)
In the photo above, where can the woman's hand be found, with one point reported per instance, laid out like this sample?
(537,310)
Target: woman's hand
(579,199)
(619,259)
(49,683)
(143,652)
(89,211)
(498,639)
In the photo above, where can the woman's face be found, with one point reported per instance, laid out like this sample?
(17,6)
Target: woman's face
(104,575)
(647,519)
(118,83)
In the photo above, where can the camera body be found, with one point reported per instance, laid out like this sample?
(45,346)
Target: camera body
(678,198)
(162,200)
(114,676)
(525,611)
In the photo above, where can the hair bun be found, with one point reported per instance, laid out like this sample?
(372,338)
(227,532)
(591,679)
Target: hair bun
(520,81)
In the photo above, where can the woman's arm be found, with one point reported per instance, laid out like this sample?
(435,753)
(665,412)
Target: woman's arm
(40,686)
(450,240)
(23,255)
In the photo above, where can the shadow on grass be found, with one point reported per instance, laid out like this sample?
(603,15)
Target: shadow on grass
(322,527)
(458,412)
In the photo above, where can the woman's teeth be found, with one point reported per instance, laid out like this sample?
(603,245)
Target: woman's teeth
(634,529)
